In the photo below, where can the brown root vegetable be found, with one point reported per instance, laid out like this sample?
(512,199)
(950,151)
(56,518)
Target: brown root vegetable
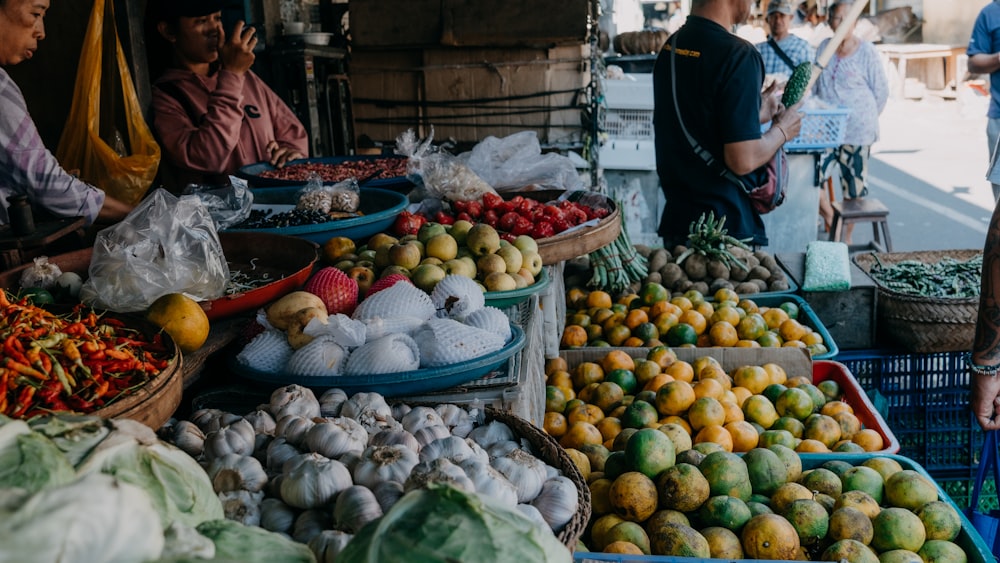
(657,259)
(701,287)
(738,274)
(778,285)
(654,277)
(717,269)
(761,284)
(746,288)
(671,273)
(718,284)
(696,267)
(682,285)
(643,250)
(678,250)
(759,273)
(634,287)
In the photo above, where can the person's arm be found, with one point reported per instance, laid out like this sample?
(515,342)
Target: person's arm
(982,58)
(746,156)
(986,347)
(877,79)
(113,210)
(290,138)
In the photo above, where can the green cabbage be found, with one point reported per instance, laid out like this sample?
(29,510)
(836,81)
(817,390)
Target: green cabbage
(75,434)
(238,542)
(30,461)
(442,524)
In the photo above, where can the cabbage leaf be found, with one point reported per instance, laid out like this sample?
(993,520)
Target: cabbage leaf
(30,461)
(75,434)
(238,542)
(441,524)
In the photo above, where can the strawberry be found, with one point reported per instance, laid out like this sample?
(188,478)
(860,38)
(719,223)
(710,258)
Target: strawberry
(490,201)
(338,291)
(387,281)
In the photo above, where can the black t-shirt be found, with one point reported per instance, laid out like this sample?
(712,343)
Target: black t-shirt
(719,77)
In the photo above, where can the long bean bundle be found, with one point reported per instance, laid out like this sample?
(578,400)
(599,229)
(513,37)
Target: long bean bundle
(946,278)
(618,264)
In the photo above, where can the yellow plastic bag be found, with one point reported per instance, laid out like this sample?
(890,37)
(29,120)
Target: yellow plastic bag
(81,147)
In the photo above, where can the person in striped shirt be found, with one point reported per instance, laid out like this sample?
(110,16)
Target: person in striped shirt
(782,51)
(26,166)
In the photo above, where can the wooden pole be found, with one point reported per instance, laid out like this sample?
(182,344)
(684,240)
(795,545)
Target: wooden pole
(835,41)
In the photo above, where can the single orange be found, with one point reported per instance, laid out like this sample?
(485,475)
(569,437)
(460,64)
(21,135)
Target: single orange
(628,299)
(680,370)
(706,411)
(682,334)
(576,298)
(715,434)
(617,335)
(742,394)
(587,372)
(683,302)
(599,299)
(726,314)
(678,420)
(600,315)
(674,398)
(723,333)
(695,319)
(580,434)
(726,294)
(810,445)
(744,435)
(791,329)
(748,305)
(585,394)
(751,327)
(656,382)
(609,427)
(733,410)
(594,332)
(869,439)
(559,378)
(833,407)
(574,336)
(664,322)
(645,370)
(633,342)
(774,317)
(754,378)
(555,424)
(585,413)
(557,363)
(652,293)
(645,331)
(708,387)
(748,344)
(776,372)
(705,308)
(617,359)
(614,320)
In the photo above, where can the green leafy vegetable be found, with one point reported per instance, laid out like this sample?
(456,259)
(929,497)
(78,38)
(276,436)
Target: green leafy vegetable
(30,461)
(443,524)
(237,542)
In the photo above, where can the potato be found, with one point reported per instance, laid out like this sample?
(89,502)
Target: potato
(759,273)
(717,269)
(654,277)
(718,284)
(296,337)
(696,267)
(738,274)
(761,284)
(682,285)
(778,285)
(671,273)
(282,312)
(643,250)
(701,287)
(747,288)
(657,259)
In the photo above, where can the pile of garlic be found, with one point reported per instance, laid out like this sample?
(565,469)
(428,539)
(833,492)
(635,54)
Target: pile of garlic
(317,470)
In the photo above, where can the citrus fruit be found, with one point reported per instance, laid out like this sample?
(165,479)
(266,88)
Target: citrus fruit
(182,318)
(651,293)
(633,495)
(336,247)
(850,523)
(679,540)
(769,536)
(898,528)
(681,334)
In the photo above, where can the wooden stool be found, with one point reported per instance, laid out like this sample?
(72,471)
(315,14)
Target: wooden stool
(863,210)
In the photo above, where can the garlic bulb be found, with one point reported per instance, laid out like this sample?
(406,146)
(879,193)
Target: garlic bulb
(355,507)
(370,409)
(336,437)
(454,449)
(491,433)
(557,502)
(262,421)
(277,516)
(457,419)
(535,516)
(551,472)
(399,410)
(235,438)
(387,493)
(439,470)
(328,544)
(502,448)
(394,438)
(524,470)
(293,428)
(490,482)
(384,463)
(260,444)
(421,417)
(227,418)
(278,452)
(310,524)
(312,480)
(233,472)
(428,434)
(242,506)
(207,419)
(294,399)
(350,460)
(187,436)
(331,402)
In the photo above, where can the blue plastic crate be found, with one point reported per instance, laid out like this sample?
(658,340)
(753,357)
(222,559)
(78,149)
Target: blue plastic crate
(821,129)
(925,400)
(807,316)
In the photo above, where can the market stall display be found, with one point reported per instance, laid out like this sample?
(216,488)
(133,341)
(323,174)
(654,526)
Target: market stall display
(387,173)
(927,300)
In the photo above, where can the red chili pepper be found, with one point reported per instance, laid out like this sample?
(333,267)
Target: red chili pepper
(117,354)
(23,401)
(76,329)
(11,348)
(91,346)
(23,369)
(117,323)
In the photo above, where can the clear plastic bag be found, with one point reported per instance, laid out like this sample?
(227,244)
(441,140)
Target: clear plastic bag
(228,205)
(344,197)
(165,245)
(516,161)
(436,173)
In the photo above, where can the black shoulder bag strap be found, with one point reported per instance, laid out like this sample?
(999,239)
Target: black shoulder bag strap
(714,165)
(781,54)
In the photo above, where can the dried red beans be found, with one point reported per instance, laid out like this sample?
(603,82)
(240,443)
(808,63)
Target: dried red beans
(358,169)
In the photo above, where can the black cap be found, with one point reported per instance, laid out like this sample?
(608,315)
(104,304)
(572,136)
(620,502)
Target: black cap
(172,9)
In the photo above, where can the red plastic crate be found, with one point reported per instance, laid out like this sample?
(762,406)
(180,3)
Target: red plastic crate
(855,396)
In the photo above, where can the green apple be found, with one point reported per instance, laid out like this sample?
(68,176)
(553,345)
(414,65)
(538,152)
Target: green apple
(344,265)
(482,240)
(430,230)
(533,262)
(364,276)
(459,230)
(460,267)
(525,273)
(500,281)
(490,264)
(405,254)
(426,276)
(393,269)
(512,257)
(431,260)
(367,254)
(379,240)
(524,243)
(443,247)
(382,259)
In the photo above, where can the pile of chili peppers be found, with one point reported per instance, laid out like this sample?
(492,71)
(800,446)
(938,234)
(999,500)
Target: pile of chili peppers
(81,361)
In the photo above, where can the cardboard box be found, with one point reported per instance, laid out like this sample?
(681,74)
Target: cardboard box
(469,94)
(391,24)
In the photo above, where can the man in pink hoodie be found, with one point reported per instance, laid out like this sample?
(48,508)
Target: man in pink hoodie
(210,112)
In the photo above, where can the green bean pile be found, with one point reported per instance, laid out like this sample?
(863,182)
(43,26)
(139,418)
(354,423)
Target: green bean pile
(946,278)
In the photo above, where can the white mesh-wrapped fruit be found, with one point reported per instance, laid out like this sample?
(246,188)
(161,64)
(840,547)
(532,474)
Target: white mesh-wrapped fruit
(447,341)
(321,357)
(392,353)
(379,327)
(492,320)
(457,296)
(269,351)
(394,300)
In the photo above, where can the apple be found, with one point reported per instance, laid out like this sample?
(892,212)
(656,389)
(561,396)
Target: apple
(394,269)
(459,230)
(460,267)
(405,254)
(364,276)
(443,247)
(499,281)
(482,240)
(524,243)
(336,248)
(490,264)
(519,281)
(527,275)
(426,276)
(379,240)
(533,262)
(344,265)
(430,230)
(365,264)
(512,257)
(470,261)
(382,259)
(366,254)
(431,260)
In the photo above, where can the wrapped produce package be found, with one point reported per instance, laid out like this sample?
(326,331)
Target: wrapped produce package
(828,267)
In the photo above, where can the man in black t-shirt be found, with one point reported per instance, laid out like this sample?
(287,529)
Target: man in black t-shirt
(719,79)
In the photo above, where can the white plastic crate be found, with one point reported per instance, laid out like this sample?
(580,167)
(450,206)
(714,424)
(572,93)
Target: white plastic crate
(629,124)
(821,129)
(635,91)
(623,154)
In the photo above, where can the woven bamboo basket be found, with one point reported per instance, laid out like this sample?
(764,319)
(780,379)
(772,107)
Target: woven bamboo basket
(569,245)
(924,324)
(552,453)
